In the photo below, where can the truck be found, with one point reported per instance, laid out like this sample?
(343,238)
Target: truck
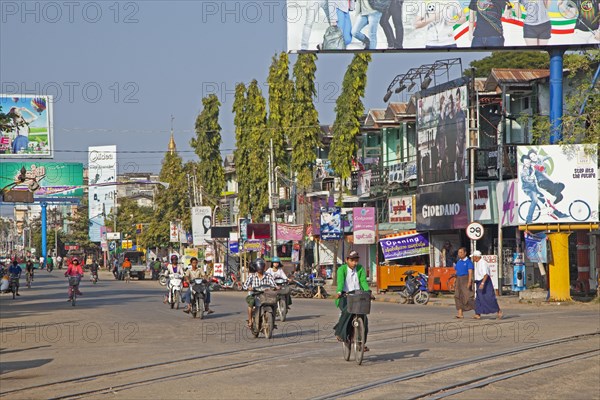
(138,264)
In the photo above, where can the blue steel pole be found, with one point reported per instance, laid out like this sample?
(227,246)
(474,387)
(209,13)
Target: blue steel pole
(556,94)
(44,244)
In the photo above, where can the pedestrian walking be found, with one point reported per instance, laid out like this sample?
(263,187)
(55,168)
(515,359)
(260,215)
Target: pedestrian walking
(485,300)
(463,294)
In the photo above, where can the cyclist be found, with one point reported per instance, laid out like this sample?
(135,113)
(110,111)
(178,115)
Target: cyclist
(74,269)
(126,266)
(29,268)
(350,276)
(15,270)
(94,269)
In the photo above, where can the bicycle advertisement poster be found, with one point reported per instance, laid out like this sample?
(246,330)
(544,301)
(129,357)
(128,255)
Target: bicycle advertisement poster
(557,184)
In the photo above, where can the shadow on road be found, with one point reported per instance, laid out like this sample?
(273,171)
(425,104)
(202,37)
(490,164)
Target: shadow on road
(11,366)
(396,356)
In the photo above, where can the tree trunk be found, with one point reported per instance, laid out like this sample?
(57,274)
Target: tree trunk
(304,227)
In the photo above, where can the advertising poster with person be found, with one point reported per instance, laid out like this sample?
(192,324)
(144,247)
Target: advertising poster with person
(339,25)
(557,183)
(29,132)
(442,124)
(201,225)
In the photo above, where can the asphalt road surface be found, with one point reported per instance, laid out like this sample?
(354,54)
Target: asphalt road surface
(120,341)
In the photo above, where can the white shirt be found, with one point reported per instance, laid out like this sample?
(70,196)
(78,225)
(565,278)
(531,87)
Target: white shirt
(481,269)
(279,274)
(351,282)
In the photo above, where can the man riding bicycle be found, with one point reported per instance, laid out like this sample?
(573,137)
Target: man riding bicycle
(15,271)
(29,268)
(350,277)
(126,266)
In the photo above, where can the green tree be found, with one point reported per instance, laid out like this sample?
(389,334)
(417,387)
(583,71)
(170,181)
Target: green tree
(129,214)
(258,151)
(171,204)
(240,154)
(206,144)
(304,135)
(280,108)
(349,111)
(79,225)
(510,59)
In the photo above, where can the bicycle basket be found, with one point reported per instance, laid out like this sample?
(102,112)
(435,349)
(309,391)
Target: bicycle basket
(268,297)
(73,280)
(359,303)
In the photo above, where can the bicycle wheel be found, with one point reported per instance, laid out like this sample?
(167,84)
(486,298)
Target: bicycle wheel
(580,210)
(347,348)
(74,297)
(451,284)
(359,340)
(28,281)
(524,210)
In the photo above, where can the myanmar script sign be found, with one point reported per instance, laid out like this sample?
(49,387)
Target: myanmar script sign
(405,246)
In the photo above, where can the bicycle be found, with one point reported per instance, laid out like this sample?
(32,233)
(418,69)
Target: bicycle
(28,280)
(359,305)
(74,287)
(578,210)
(127,275)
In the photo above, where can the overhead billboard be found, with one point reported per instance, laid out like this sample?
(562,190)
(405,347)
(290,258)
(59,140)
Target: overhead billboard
(29,132)
(442,127)
(557,183)
(56,180)
(339,25)
(102,191)
(201,225)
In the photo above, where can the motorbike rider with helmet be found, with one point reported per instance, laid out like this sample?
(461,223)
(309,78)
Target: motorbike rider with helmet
(190,275)
(172,268)
(74,269)
(255,280)
(277,273)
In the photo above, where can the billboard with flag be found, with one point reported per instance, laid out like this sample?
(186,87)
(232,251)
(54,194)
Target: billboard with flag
(440,24)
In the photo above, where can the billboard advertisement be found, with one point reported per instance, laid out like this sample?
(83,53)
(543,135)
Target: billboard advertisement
(331,223)
(405,246)
(506,197)
(442,206)
(557,183)
(401,209)
(55,179)
(29,132)
(364,225)
(442,125)
(201,225)
(102,174)
(439,25)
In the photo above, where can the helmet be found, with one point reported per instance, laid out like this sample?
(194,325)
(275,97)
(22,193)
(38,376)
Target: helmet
(259,265)
(275,260)
(174,257)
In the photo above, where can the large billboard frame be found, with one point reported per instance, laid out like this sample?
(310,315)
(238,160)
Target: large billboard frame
(28,112)
(57,180)
(102,171)
(440,26)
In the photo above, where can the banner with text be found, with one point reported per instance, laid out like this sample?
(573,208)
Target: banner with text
(289,232)
(364,225)
(405,246)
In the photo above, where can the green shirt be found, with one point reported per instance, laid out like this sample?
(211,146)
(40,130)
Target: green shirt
(341,279)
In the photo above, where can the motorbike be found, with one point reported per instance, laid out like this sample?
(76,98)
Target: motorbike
(199,289)
(282,294)
(175,285)
(415,289)
(231,283)
(215,284)
(263,312)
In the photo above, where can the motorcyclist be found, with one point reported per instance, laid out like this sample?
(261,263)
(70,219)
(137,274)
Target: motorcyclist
(190,275)
(277,272)
(15,270)
(74,269)
(172,268)
(155,265)
(29,268)
(255,280)
(94,269)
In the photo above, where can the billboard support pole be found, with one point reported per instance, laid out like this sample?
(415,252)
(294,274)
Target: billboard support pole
(44,221)
(556,94)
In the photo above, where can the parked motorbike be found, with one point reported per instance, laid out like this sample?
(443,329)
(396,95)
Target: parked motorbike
(282,294)
(263,313)
(199,289)
(415,288)
(175,285)
(230,283)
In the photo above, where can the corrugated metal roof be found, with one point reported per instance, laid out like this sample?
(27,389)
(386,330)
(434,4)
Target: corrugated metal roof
(397,108)
(503,76)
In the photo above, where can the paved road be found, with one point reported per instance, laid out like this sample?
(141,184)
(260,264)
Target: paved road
(121,341)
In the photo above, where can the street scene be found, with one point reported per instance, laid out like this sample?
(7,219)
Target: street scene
(122,341)
(300,199)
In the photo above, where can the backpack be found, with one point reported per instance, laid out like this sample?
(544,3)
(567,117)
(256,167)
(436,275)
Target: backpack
(333,39)
(380,5)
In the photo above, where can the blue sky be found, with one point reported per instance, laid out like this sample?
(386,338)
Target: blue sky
(118,70)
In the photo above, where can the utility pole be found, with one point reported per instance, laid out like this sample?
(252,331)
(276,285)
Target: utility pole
(272,200)
(473,142)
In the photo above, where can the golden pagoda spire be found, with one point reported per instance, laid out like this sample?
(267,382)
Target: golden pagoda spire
(172,146)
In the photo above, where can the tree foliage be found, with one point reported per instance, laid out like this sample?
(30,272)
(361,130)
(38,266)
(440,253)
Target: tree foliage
(79,224)
(304,137)
(281,90)
(349,111)
(171,204)
(510,59)
(241,151)
(129,214)
(206,145)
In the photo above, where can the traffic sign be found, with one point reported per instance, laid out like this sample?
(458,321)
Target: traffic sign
(112,246)
(475,231)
